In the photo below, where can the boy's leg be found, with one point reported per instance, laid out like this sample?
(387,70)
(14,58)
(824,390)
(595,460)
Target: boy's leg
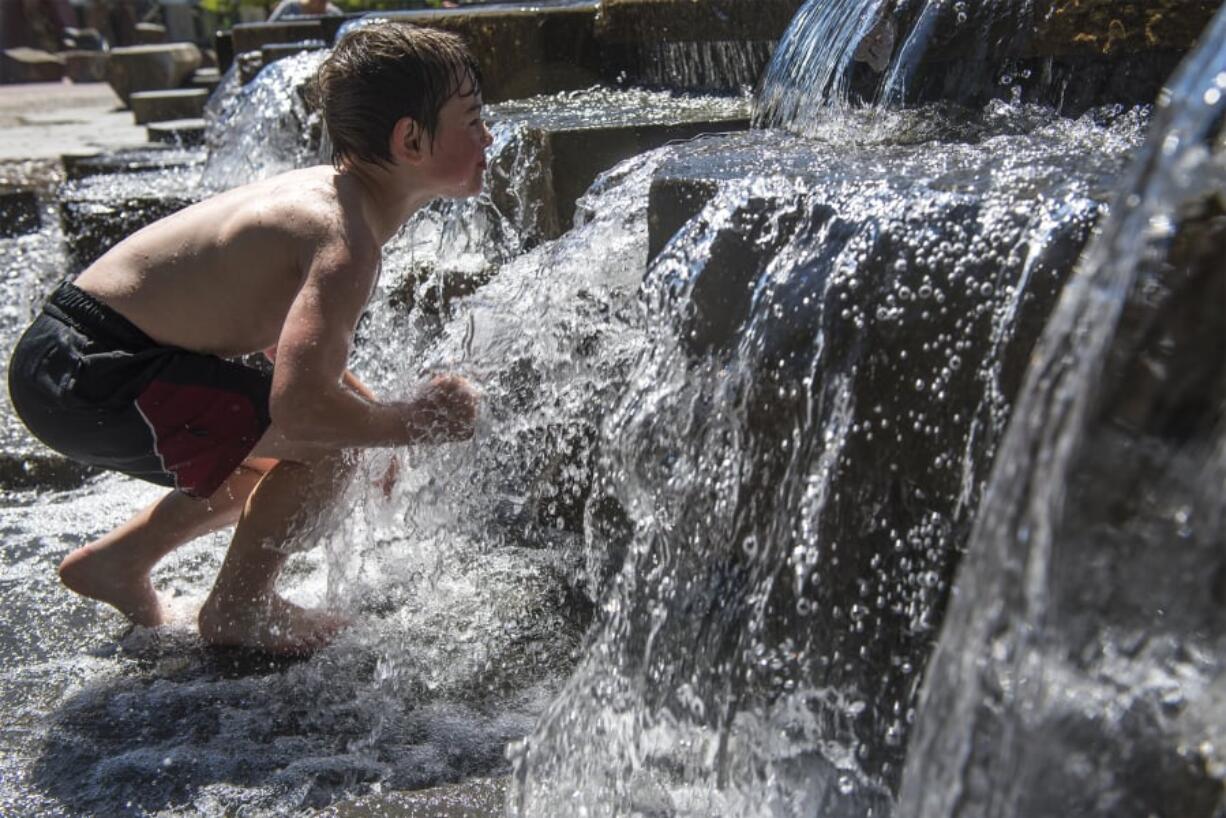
(115,567)
(244,608)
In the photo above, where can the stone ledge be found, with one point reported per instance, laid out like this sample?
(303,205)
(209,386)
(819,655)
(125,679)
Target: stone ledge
(523,51)
(579,140)
(254,36)
(131,160)
(161,106)
(638,22)
(18,212)
(151,67)
(21,65)
(183,133)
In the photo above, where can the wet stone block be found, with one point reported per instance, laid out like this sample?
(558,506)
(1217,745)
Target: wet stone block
(523,51)
(151,67)
(1073,54)
(31,65)
(42,469)
(581,138)
(254,36)
(18,213)
(183,133)
(160,106)
(809,261)
(86,66)
(130,160)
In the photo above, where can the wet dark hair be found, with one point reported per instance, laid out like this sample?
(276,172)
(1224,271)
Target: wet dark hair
(382,72)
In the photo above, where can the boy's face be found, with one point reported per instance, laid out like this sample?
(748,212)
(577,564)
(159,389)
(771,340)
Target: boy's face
(455,161)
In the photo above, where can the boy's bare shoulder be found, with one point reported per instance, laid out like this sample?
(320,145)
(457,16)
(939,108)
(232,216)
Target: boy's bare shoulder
(308,216)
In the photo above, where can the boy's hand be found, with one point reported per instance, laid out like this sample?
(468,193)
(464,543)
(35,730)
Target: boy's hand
(446,409)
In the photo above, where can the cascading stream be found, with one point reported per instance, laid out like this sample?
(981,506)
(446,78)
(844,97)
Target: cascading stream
(1087,623)
(798,466)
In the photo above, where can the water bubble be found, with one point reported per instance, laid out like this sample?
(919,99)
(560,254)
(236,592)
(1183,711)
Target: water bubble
(846,785)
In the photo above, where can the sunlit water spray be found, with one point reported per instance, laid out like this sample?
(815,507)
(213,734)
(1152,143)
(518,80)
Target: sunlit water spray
(1087,623)
(798,466)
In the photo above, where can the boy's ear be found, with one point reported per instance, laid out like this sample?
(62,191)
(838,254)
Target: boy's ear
(408,141)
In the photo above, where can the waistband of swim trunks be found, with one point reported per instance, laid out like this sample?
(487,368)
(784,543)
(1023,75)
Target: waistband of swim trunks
(77,308)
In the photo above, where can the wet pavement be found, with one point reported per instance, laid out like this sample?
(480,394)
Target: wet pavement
(47,120)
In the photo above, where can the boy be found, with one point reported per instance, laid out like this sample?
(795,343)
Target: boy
(127,367)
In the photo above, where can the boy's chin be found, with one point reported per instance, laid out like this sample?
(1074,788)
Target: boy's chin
(466,191)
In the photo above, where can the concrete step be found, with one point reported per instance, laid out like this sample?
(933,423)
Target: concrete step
(85,66)
(31,65)
(163,106)
(206,78)
(523,50)
(254,36)
(18,212)
(182,132)
(151,67)
(82,164)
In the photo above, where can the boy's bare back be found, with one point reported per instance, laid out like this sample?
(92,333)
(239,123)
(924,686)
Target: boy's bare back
(220,276)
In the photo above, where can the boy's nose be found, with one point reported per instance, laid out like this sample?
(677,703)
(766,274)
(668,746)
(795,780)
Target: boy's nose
(488,139)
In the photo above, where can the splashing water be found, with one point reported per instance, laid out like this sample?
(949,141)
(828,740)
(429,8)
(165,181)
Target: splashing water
(264,127)
(1087,622)
(797,468)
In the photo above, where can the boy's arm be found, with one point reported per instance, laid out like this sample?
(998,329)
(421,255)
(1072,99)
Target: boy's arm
(313,400)
(348,378)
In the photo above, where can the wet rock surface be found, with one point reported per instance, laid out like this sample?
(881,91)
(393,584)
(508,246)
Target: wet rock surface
(844,326)
(523,51)
(19,212)
(31,65)
(1087,624)
(151,67)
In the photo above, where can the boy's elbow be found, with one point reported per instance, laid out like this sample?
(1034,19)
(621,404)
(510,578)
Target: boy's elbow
(292,417)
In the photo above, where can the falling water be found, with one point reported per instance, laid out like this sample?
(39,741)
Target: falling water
(1080,671)
(279,131)
(785,485)
(863,61)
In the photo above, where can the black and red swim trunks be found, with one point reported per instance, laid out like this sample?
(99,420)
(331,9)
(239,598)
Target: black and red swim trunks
(90,384)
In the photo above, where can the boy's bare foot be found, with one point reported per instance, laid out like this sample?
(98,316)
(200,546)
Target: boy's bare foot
(101,573)
(271,625)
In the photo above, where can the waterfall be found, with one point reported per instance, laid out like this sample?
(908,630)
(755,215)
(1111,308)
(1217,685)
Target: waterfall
(785,486)
(264,127)
(1080,670)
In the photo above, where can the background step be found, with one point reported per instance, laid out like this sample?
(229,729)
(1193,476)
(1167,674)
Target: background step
(183,132)
(31,65)
(151,67)
(18,212)
(207,78)
(162,106)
